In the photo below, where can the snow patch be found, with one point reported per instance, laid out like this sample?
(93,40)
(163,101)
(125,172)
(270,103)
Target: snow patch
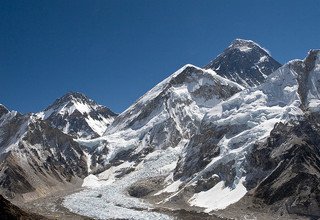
(173,187)
(91,181)
(219,196)
(244,48)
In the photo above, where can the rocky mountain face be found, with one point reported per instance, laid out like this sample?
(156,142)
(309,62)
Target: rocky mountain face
(40,153)
(3,110)
(77,115)
(291,159)
(244,62)
(37,159)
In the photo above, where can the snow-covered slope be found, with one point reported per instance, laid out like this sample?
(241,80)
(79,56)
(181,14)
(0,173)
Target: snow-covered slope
(244,62)
(79,116)
(166,115)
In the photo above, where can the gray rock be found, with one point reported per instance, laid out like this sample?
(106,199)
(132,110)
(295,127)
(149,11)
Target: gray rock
(244,62)
(291,159)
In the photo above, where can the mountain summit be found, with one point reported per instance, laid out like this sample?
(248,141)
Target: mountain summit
(77,115)
(244,62)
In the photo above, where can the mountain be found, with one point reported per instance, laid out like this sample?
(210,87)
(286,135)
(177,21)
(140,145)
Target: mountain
(37,159)
(165,116)
(144,143)
(244,62)
(250,151)
(40,153)
(291,159)
(77,115)
(260,142)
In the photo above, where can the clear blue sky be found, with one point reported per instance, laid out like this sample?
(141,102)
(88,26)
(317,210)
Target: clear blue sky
(115,51)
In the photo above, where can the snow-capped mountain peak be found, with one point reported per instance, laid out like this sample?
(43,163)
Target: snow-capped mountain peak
(77,115)
(165,116)
(244,62)
(186,81)
(69,103)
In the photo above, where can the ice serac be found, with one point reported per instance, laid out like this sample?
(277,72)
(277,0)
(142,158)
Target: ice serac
(77,115)
(167,114)
(244,62)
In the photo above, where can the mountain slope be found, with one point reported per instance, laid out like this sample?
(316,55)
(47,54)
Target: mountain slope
(244,62)
(79,116)
(12,212)
(37,159)
(167,114)
(291,157)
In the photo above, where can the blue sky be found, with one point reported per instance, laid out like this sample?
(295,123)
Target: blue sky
(115,51)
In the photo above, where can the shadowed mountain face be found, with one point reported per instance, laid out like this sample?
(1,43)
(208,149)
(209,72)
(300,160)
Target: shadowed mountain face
(3,110)
(8,211)
(291,159)
(244,62)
